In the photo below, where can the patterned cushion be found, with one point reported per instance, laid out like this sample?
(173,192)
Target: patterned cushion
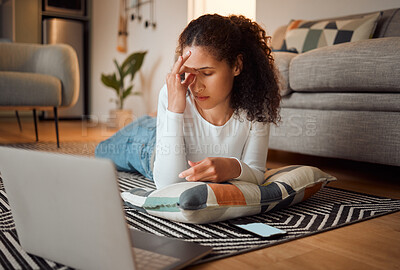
(302,36)
(205,202)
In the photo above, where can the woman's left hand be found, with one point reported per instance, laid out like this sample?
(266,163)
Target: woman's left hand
(212,169)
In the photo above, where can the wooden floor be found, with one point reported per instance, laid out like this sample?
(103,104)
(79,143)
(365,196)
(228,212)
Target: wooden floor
(372,244)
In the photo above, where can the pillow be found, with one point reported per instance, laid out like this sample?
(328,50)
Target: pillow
(302,36)
(205,202)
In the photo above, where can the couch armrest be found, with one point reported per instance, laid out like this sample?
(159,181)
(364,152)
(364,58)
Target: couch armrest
(57,60)
(282,62)
(61,61)
(363,66)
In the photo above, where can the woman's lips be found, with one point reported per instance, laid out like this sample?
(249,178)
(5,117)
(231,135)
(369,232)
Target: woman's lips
(202,98)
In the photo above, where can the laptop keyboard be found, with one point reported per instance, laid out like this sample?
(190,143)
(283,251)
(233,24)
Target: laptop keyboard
(146,259)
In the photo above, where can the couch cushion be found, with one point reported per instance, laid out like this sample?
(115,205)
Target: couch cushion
(381,102)
(16,89)
(282,62)
(363,66)
(307,35)
(205,202)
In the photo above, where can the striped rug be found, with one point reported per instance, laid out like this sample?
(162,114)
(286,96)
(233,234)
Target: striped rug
(328,209)
(73,148)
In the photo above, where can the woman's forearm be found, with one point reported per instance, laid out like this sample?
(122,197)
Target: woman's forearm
(170,150)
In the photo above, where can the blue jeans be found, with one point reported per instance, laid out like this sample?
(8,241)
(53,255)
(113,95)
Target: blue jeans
(132,147)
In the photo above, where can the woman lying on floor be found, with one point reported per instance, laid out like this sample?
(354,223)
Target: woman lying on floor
(213,113)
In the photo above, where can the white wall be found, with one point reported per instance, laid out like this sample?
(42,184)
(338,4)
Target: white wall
(274,13)
(171,18)
(222,7)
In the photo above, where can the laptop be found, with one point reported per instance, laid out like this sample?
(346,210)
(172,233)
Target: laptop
(68,209)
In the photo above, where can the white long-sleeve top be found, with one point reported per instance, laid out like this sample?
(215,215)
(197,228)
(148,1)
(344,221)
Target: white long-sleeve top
(188,136)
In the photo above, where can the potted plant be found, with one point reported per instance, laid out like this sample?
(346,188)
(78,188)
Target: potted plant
(123,86)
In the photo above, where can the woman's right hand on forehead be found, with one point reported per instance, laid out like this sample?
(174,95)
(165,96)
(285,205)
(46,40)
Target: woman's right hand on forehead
(176,88)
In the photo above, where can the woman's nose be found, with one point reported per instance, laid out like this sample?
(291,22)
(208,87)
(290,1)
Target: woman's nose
(196,86)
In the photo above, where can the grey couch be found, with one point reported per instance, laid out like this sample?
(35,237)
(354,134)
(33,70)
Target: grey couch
(343,101)
(34,76)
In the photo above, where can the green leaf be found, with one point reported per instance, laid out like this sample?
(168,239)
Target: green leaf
(111,81)
(127,92)
(133,63)
(121,73)
(130,66)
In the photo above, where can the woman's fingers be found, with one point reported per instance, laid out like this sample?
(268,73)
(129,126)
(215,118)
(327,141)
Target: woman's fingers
(191,163)
(179,68)
(207,174)
(213,169)
(199,171)
(196,168)
(176,69)
(178,64)
(177,80)
(188,80)
(177,89)
(186,69)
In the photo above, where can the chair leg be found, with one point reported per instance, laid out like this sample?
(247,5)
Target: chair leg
(19,120)
(56,124)
(36,127)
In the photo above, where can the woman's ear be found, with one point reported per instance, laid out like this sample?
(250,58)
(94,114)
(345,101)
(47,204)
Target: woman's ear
(237,69)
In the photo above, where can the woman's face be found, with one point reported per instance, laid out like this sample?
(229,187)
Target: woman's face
(213,83)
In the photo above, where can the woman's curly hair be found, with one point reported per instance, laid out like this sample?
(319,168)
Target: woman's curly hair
(256,89)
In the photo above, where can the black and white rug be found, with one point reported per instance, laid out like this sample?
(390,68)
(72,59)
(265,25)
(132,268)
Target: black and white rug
(73,148)
(328,209)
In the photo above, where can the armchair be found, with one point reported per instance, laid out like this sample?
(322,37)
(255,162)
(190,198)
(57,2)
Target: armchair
(38,77)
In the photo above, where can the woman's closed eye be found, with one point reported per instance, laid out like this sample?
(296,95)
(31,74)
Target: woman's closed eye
(207,73)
